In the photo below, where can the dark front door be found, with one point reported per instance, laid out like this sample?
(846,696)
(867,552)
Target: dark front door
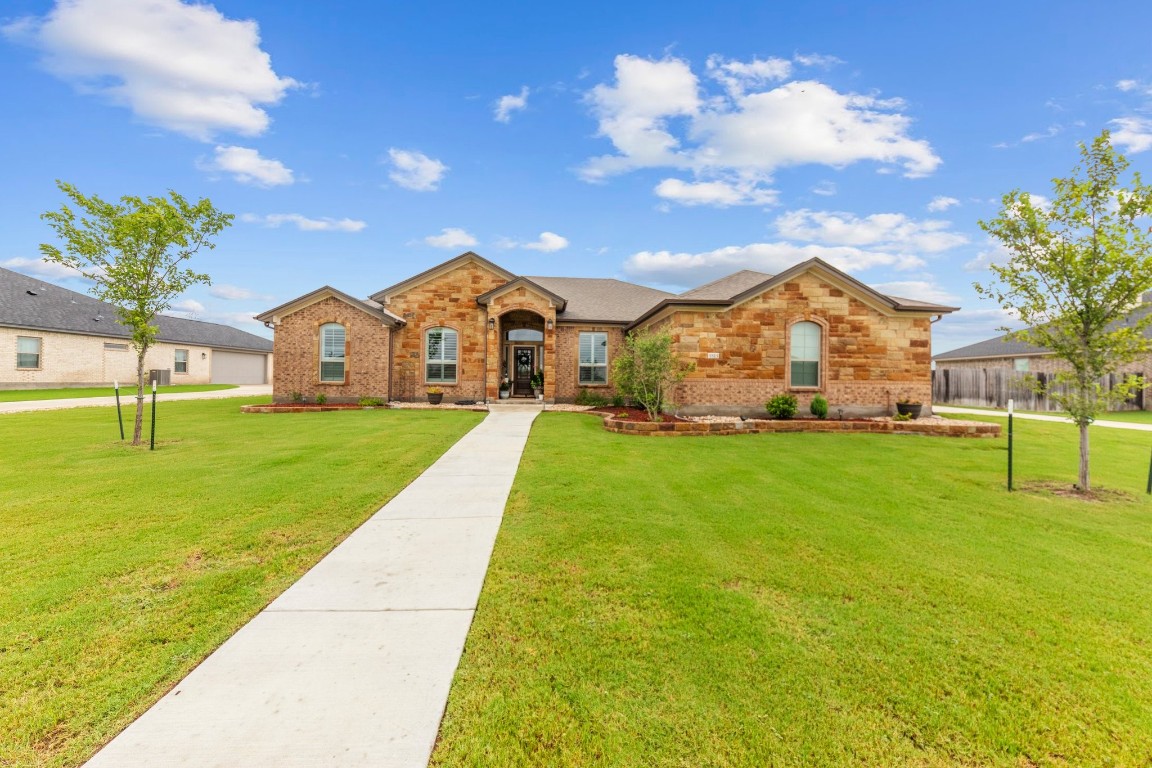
(524,364)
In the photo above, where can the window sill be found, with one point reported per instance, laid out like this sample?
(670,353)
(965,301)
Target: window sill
(332,383)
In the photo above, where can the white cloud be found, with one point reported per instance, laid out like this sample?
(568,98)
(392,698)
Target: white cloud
(305,224)
(506,105)
(415,170)
(215,316)
(885,231)
(694,268)
(1133,134)
(942,203)
(188,307)
(234,293)
(993,252)
(181,66)
(658,114)
(548,242)
(451,237)
(825,189)
(816,60)
(49,270)
(1129,85)
(1050,132)
(720,194)
(248,167)
(922,290)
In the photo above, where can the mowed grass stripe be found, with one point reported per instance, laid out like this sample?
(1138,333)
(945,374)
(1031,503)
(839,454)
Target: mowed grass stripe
(122,568)
(810,600)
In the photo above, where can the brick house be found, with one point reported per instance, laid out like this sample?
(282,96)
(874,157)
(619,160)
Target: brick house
(54,337)
(467,325)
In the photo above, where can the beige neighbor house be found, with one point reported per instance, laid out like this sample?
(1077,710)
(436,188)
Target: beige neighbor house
(54,337)
(467,325)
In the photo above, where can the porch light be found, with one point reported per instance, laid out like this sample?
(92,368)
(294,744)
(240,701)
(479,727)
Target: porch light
(491,323)
(549,325)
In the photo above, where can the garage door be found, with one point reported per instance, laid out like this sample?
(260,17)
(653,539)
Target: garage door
(237,368)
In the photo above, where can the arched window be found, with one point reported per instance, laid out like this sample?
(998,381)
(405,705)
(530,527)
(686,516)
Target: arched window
(440,349)
(332,340)
(804,360)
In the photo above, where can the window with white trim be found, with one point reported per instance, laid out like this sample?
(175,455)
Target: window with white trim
(593,357)
(332,343)
(28,352)
(805,355)
(440,355)
(181,361)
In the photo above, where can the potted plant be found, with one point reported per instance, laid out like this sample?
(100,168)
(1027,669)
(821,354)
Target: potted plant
(538,384)
(505,390)
(908,407)
(435,395)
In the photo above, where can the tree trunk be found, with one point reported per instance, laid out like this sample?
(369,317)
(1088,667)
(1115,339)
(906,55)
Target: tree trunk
(1085,484)
(139,396)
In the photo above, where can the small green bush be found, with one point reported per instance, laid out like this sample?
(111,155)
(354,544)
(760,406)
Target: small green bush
(367,402)
(594,399)
(819,407)
(902,417)
(617,401)
(297,397)
(782,406)
(321,399)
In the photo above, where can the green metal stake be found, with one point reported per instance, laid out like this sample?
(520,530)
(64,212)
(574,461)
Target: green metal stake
(152,442)
(1010,446)
(119,416)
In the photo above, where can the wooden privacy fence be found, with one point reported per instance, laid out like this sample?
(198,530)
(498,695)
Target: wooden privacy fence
(992,388)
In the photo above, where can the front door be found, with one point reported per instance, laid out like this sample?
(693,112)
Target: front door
(524,364)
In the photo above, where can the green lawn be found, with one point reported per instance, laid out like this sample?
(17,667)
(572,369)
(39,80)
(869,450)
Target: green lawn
(121,568)
(126,392)
(810,600)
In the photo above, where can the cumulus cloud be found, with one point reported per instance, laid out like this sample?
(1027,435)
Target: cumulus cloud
(825,189)
(506,105)
(188,307)
(548,243)
(922,290)
(451,237)
(234,293)
(942,203)
(684,268)
(887,231)
(248,167)
(48,270)
(659,114)
(720,194)
(1132,134)
(305,224)
(184,67)
(415,170)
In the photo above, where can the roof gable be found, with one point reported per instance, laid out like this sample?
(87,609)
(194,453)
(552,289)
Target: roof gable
(384,295)
(555,299)
(328,292)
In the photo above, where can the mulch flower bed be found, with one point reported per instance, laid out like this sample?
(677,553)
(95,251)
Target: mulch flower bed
(625,413)
(303,407)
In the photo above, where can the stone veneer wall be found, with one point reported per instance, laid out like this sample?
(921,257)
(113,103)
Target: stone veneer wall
(870,360)
(568,360)
(296,348)
(447,300)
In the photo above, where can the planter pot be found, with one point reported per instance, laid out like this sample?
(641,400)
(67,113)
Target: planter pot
(435,399)
(539,395)
(909,409)
(504,394)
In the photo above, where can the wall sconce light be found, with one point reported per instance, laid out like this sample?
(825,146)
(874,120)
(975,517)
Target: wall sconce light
(491,323)
(549,325)
(203,355)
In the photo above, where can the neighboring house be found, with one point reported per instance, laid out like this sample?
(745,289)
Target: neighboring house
(54,337)
(467,325)
(990,372)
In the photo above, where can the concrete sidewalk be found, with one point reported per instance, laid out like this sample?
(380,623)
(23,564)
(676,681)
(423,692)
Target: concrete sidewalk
(1039,417)
(351,665)
(128,398)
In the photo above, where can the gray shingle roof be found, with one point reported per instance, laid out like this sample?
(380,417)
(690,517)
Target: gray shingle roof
(727,287)
(29,302)
(601,299)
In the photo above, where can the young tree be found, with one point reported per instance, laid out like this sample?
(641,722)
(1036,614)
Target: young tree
(1077,268)
(134,253)
(646,370)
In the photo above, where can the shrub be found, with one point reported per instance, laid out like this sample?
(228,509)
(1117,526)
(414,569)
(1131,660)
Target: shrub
(819,407)
(902,417)
(782,406)
(367,402)
(321,399)
(617,401)
(588,397)
(647,369)
(297,397)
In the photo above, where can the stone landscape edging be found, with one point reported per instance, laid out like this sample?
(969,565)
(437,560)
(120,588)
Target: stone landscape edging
(762,426)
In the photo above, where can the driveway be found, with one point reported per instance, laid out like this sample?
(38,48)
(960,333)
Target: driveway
(1039,417)
(127,398)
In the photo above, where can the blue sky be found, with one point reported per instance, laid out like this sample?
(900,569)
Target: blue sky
(662,143)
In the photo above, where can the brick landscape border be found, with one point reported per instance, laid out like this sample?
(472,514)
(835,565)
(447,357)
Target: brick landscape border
(761,426)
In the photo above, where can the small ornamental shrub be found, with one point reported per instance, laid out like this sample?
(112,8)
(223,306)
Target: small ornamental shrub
(321,399)
(819,407)
(297,397)
(902,417)
(617,401)
(594,399)
(782,406)
(368,402)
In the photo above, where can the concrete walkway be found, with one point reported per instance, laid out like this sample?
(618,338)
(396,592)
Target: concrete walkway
(128,398)
(351,665)
(1039,417)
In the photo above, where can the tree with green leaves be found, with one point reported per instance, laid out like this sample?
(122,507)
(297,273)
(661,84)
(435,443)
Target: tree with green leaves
(134,252)
(646,369)
(1077,269)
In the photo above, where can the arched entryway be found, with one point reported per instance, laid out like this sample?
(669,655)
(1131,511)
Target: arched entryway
(521,351)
